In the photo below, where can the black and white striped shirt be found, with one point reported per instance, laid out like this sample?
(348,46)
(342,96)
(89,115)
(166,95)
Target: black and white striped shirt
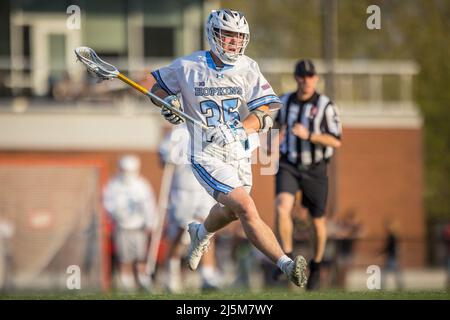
(319,115)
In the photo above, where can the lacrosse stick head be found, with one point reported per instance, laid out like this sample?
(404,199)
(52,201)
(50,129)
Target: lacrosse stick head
(95,65)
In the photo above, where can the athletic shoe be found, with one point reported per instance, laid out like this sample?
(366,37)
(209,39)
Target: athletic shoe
(296,271)
(197,248)
(314,276)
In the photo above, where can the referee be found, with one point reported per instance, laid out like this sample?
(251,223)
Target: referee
(310,130)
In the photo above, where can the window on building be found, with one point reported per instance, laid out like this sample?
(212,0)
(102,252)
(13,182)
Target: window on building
(159,42)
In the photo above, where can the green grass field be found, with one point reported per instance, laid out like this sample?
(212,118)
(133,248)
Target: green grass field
(230,295)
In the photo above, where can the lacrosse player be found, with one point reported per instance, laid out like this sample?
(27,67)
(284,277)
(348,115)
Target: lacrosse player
(130,201)
(226,91)
(188,202)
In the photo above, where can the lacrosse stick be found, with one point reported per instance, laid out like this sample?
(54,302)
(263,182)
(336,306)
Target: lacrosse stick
(106,71)
(152,254)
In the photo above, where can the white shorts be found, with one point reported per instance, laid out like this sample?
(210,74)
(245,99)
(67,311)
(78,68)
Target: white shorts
(217,175)
(187,205)
(131,245)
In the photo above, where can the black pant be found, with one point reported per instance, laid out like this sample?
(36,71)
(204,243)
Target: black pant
(313,182)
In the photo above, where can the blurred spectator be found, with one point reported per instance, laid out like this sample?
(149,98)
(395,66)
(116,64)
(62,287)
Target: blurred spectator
(348,230)
(390,251)
(188,201)
(130,201)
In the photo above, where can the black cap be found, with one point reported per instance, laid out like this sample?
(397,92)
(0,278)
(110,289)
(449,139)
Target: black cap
(305,67)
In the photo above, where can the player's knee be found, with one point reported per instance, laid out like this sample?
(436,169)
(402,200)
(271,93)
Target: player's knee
(246,209)
(233,216)
(227,212)
(319,223)
(284,205)
(283,210)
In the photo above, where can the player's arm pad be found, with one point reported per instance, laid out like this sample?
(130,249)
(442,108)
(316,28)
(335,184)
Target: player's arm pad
(265,120)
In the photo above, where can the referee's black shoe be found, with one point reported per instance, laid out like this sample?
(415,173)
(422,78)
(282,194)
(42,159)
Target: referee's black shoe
(314,276)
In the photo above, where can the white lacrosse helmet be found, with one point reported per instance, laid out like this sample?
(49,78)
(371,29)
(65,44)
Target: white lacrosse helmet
(129,163)
(227,47)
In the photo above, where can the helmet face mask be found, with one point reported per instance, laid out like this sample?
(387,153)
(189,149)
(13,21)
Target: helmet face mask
(228,34)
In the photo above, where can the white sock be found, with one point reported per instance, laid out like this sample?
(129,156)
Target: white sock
(144,280)
(174,275)
(283,263)
(174,267)
(207,272)
(203,234)
(127,281)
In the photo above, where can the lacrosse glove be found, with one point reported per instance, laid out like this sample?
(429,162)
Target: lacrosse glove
(227,133)
(169,115)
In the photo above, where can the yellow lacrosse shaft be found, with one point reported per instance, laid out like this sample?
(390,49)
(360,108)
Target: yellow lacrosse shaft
(132,83)
(155,97)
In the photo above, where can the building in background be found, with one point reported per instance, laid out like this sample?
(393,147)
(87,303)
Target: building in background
(379,171)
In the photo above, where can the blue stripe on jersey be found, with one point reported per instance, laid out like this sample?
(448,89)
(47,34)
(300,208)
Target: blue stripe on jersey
(212,65)
(203,178)
(262,101)
(208,181)
(161,82)
(207,173)
(213,183)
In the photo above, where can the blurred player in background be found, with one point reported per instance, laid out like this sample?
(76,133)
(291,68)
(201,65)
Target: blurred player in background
(225,90)
(310,131)
(188,202)
(391,252)
(130,201)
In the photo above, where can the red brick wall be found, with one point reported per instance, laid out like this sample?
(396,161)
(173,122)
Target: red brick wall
(379,175)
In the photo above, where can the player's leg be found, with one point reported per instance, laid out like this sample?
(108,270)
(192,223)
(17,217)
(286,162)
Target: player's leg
(284,224)
(219,217)
(209,274)
(261,236)
(181,210)
(173,266)
(320,240)
(208,269)
(286,188)
(141,240)
(256,230)
(124,254)
(201,233)
(224,179)
(127,276)
(226,186)
(320,231)
(314,197)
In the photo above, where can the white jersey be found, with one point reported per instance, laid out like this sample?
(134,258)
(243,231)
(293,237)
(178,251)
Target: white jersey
(131,204)
(214,96)
(174,149)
